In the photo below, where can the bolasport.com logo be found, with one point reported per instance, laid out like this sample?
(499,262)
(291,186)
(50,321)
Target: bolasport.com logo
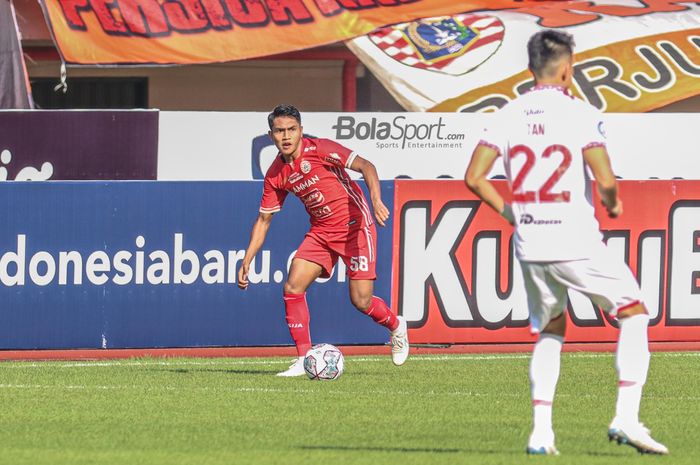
(398,133)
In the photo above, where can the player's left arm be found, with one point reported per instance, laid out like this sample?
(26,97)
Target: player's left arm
(369,173)
(475,178)
(598,161)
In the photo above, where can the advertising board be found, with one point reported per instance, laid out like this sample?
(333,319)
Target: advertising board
(153,264)
(47,145)
(456,279)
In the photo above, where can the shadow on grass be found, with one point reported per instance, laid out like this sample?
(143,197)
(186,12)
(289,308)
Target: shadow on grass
(608,454)
(428,450)
(230,371)
(440,450)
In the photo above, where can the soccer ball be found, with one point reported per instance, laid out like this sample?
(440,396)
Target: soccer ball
(324,362)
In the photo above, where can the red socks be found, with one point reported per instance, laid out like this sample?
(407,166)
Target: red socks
(297,312)
(380,313)
(298,321)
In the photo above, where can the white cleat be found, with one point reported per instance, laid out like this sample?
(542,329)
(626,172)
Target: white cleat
(542,450)
(399,342)
(541,444)
(295,369)
(636,435)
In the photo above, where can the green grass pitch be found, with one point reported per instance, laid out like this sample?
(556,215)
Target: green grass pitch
(451,409)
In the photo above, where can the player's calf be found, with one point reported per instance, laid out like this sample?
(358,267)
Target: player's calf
(297,316)
(380,313)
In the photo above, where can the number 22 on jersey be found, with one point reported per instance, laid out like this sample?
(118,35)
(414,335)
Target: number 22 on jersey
(544,193)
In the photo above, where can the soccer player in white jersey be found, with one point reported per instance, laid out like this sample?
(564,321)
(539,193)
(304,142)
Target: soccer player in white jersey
(547,138)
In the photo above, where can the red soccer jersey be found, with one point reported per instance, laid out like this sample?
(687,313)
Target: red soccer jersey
(319,179)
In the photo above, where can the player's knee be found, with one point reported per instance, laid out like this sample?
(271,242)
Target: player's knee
(361,301)
(556,326)
(638,309)
(292,288)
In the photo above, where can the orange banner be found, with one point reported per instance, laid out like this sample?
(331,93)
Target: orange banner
(635,75)
(632,55)
(204,31)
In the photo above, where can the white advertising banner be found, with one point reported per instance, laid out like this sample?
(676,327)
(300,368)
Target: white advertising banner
(235,146)
(631,55)
(196,145)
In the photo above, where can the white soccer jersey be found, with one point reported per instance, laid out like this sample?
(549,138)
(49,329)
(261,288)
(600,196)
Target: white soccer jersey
(541,136)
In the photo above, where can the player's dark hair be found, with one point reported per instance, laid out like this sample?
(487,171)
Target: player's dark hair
(283,110)
(546,48)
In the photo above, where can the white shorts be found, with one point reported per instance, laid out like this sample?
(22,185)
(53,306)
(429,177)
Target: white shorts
(606,280)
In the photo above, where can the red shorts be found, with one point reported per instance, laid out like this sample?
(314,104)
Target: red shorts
(357,247)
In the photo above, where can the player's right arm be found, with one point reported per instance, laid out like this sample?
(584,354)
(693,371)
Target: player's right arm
(475,178)
(598,160)
(257,238)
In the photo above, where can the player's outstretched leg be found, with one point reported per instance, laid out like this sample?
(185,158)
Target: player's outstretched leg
(361,296)
(632,363)
(544,374)
(297,314)
(382,314)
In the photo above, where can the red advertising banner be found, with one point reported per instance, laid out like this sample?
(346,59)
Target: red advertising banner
(203,31)
(456,279)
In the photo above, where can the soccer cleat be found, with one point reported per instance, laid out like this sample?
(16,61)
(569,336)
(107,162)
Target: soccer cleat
(399,342)
(542,450)
(541,443)
(295,369)
(637,436)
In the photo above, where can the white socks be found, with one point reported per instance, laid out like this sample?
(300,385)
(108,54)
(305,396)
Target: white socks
(544,374)
(632,363)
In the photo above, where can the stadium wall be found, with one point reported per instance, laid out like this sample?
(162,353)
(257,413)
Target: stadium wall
(456,279)
(216,146)
(78,145)
(235,146)
(143,264)
(110,264)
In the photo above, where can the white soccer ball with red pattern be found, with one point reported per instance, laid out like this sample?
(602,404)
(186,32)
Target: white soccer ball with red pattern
(324,362)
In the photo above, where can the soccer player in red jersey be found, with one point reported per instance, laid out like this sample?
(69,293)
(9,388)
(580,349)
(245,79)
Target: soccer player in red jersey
(341,227)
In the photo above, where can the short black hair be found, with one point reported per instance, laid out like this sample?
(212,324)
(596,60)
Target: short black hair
(283,110)
(546,48)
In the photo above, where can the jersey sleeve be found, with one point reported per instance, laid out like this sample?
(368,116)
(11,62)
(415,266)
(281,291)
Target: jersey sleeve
(593,129)
(492,134)
(334,154)
(272,197)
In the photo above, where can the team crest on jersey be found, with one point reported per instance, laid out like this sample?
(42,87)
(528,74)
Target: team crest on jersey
(305,166)
(447,44)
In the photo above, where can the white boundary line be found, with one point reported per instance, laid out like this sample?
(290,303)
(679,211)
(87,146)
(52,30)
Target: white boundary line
(285,360)
(315,388)
(333,392)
